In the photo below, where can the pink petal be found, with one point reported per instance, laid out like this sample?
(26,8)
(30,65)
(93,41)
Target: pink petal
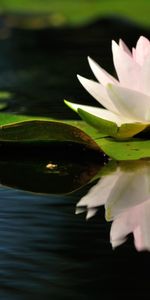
(127,69)
(102,76)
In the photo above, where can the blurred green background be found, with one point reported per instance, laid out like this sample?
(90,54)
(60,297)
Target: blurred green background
(44,44)
(60,12)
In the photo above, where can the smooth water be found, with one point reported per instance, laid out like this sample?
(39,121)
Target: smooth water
(46,251)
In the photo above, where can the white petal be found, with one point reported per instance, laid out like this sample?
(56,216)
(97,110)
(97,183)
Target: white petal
(124,47)
(91,212)
(142,230)
(136,220)
(120,228)
(102,76)
(127,69)
(145,76)
(130,103)
(142,50)
(98,92)
(132,189)
(100,192)
(117,242)
(101,113)
(80,210)
(134,53)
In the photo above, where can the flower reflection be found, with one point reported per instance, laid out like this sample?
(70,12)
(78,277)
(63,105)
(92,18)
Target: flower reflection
(125,193)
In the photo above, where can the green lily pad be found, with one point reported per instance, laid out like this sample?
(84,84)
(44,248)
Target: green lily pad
(132,149)
(6,119)
(43,131)
(58,164)
(17,129)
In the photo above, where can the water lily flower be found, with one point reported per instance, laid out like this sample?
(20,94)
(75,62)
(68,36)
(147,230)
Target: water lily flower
(125,193)
(126,100)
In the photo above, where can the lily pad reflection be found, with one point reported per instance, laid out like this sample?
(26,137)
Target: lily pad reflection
(54,169)
(125,193)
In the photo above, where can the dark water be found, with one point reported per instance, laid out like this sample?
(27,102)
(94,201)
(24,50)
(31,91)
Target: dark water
(46,251)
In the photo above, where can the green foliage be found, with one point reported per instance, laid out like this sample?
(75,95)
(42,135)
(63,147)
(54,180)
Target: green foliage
(4,96)
(81,11)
